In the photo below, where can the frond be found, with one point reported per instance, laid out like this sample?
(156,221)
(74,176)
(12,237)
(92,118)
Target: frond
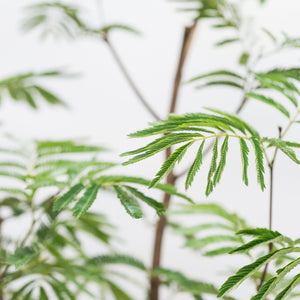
(214,237)
(199,127)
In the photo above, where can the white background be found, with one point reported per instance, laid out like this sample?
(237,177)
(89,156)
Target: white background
(104,110)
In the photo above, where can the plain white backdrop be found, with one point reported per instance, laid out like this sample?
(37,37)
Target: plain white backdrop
(104,110)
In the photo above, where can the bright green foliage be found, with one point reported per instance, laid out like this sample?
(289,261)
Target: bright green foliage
(270,102)
(195,167)
(285,147)
(195,127)
(224,14)
(64,20)
(57,18)
(244,154)
(259,162)
(282,248)
(56,275)
(222,162)
(282,81)
(170,163)
(213,237)
(130,204)
(21,256)
(68,197)
(76,181)
(85,202)
(185,284)
(25,88)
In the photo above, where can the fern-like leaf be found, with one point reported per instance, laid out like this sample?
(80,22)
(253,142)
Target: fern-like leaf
(195,166)
(170,162)
(68,197)
(85,202)
(259,162)
(130,204)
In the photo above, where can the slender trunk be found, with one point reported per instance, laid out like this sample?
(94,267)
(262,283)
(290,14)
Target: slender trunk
(171,178)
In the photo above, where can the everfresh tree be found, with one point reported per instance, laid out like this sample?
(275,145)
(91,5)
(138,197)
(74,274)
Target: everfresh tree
(54,183)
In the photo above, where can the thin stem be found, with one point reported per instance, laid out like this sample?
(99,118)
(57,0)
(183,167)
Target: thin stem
(271,168)
(292,121)
(171,179)
(271,197)
(264,274)
(29,232)
(129,79)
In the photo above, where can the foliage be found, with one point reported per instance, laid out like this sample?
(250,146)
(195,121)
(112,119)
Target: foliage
(52,252)
(194,127)
(282,247)
(215,234)
(65,20)
(25,87)
(43,181)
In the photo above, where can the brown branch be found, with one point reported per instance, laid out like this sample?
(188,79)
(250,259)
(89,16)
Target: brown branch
(129,79)
(171,179)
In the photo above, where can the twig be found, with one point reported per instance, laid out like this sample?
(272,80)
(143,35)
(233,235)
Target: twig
(129,78)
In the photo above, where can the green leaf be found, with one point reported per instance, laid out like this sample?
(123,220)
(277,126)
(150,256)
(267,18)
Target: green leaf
(221,82)
(243,60)
(130,204)
(112,27)
(202,242)
(46,183)
(159,207)
(170,162)
(283,146)
(246,271)
(68,197)
(118,293)
(85,202)
(259,162)
(227,41)
(218,251)
(195,166)
(222,162)
(43,294)
(284,293)
(118,259)
(21,256)
(284,91)
(244,153)
(16,295)
(270,285)
(225,73)
(269,101)
(119,179)
(212,169)
(265,238)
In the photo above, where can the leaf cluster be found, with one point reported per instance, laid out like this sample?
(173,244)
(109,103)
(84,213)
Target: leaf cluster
(26,88)
(283,249)
(213,237)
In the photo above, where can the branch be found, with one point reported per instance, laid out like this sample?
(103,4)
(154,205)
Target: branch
(171,179)
(129,78)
